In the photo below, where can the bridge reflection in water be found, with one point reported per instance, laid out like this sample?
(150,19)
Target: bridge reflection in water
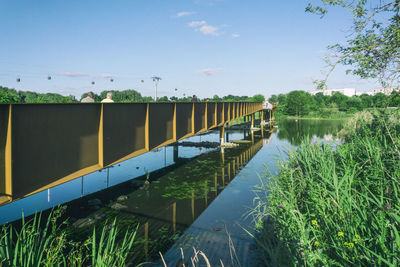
(167,206)
(44,145)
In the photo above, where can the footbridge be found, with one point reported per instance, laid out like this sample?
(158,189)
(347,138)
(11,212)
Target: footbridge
(44,145)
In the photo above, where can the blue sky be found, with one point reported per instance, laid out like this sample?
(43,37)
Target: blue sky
(201,47)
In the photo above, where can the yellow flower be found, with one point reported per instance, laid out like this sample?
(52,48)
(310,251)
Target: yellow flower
(349,245)
(316,244)
(340,234)
(314,222)
(356,238)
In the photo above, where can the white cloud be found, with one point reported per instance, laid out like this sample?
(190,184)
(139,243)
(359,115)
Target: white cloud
(73,74)
(209,30)
(194,24)
(235,35)
(106,75)
(203,27)
(209,72)
(184,13)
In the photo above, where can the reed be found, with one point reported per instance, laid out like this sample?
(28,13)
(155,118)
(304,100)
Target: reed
(46,243)
(335,205)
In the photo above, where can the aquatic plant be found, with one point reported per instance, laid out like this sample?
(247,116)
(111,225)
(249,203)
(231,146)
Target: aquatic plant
(46,243)
(336,206)
(106,251)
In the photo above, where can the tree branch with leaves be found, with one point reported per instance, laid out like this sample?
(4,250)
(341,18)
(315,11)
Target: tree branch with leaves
(372,50)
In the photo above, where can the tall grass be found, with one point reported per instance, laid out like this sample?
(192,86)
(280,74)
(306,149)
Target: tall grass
(45,243)
(336,206)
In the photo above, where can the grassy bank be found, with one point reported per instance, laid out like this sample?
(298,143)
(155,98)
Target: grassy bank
(40,242)
(316,116)
(336,206)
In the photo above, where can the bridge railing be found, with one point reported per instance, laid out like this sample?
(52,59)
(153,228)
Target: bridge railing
(44,145)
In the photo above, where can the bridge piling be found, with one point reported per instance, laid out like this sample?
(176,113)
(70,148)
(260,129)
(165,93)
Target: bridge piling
(222,134)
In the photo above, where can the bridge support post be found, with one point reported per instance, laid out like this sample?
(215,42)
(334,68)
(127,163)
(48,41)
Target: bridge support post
(261,117)
(222,134)
(176,153)
(262,130)
(270,115)
(252,120)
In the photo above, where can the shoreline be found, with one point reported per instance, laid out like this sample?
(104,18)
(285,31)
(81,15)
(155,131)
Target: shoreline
(305,118)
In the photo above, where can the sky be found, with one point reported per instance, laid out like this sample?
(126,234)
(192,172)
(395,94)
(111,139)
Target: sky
(201,47)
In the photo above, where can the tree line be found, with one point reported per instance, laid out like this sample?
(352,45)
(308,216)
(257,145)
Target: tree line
(8,95)
(301,103)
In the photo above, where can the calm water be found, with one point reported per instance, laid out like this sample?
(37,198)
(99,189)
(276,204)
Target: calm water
(193,196)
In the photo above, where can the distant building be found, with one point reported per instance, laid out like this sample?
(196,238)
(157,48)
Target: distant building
(384,90)
(345,91)
(364,93)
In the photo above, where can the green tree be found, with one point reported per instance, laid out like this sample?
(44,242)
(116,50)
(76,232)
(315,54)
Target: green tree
(354,104)
(163,99)
(340,100)
(216,98)
(366,101)
(395,99)
(8,95)
(373,48)
(298,103)
(380,100)
(257,98)
(273,99)
(320,100)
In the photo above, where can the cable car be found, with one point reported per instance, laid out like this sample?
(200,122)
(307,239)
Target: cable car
(49,77)
(18,80)
(93,82)
(111,80)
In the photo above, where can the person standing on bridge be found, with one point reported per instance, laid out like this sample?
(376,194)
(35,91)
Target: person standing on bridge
(194,98)
(88,99)
(108,99)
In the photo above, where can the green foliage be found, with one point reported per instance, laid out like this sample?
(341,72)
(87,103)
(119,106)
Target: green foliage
(273,99)
(336,205)
(8,95)
(257,98)
(38,243)
(298,103)
(106,252)
(12,96)
(373,48)
(302,104)
(126,96)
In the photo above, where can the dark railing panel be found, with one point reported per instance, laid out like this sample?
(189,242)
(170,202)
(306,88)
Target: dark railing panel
(3,137)
(220,112)
(199,117)
(124,130)
(226,112)
(211,115)
(50,141)
(161,123)
(183,119)
(232,109)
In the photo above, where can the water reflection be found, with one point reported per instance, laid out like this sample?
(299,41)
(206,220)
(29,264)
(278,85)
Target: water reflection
(295,131)
(166,206)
